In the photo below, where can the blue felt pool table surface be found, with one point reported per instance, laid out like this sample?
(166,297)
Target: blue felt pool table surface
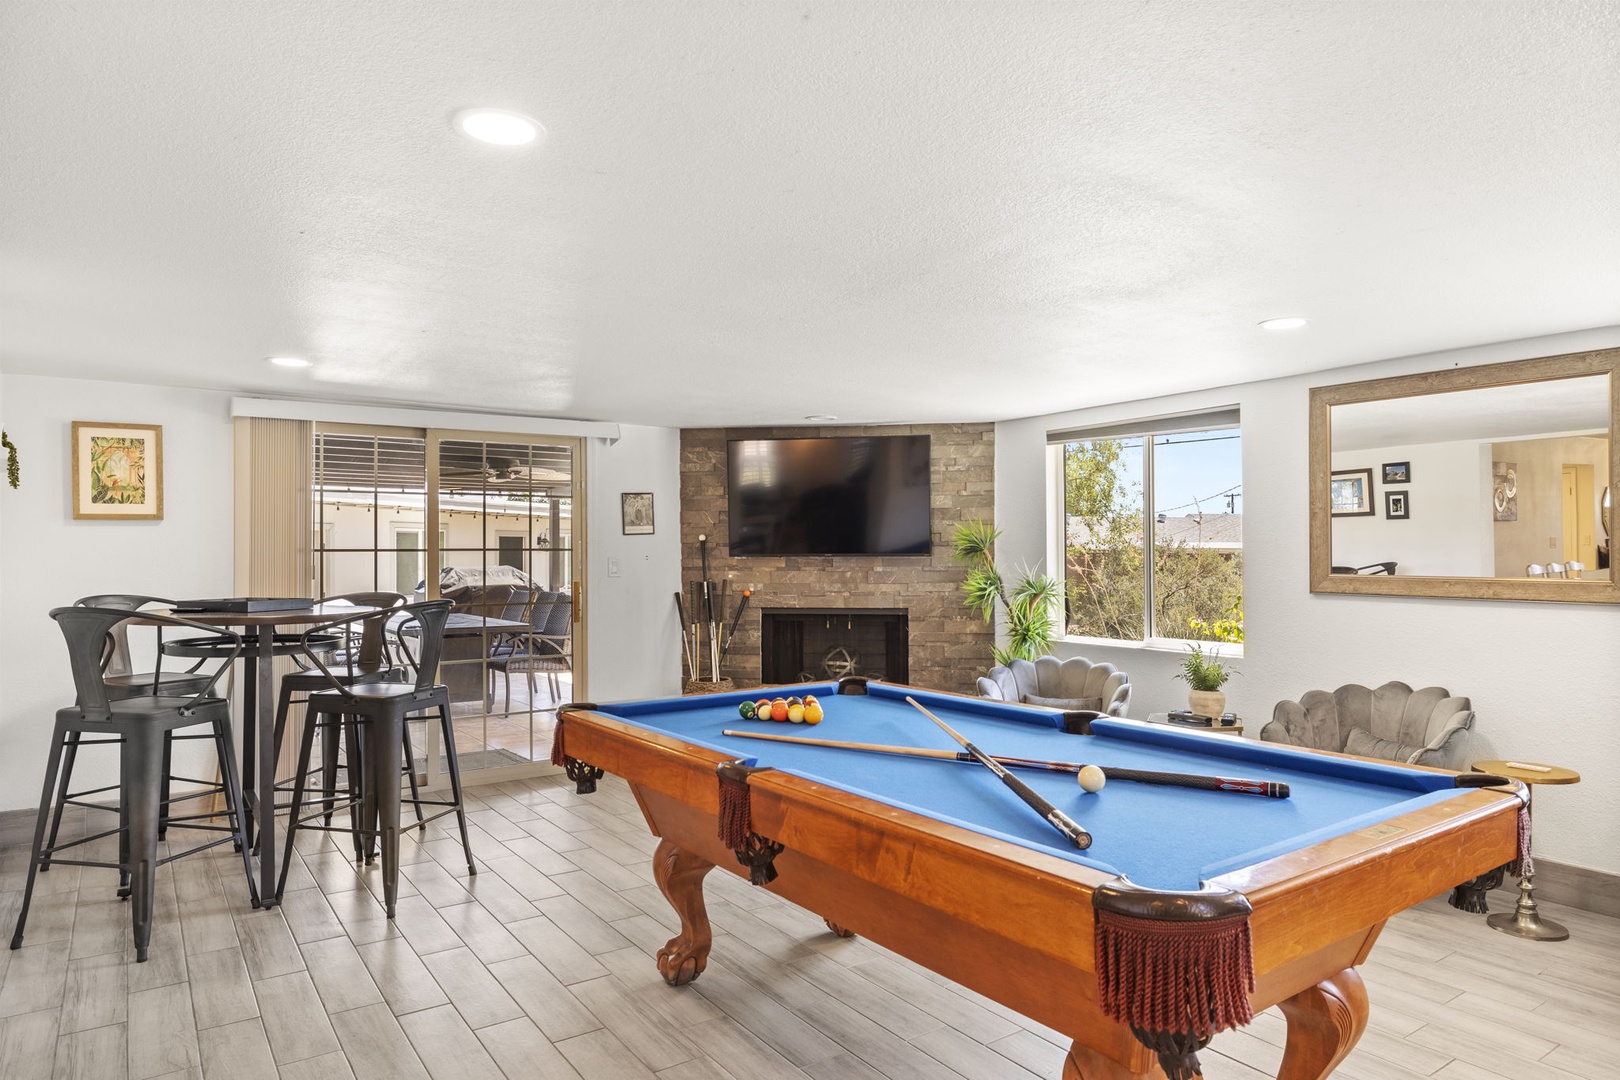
(1161,837)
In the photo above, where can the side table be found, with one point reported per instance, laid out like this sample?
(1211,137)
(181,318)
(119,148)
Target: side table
(1217,727)
(1524,921)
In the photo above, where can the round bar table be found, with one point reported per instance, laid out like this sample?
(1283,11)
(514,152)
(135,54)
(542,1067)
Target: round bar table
(1524,920)
(258,713)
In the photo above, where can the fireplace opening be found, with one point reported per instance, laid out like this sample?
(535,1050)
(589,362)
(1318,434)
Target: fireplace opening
(816,644)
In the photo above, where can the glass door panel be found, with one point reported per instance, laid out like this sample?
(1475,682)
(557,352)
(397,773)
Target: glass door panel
(504,509)
(370,497)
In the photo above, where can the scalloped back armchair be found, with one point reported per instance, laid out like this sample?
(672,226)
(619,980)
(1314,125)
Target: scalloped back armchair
(1395,722)
(1075,683)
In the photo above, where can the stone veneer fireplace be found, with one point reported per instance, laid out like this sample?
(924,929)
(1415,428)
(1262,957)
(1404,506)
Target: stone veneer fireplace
(948,645)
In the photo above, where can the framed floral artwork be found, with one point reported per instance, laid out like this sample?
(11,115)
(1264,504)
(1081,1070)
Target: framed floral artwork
(117,471)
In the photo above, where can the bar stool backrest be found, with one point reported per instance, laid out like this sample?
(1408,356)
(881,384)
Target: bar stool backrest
(86,630)
(373,654)
(423,649)
(116,660)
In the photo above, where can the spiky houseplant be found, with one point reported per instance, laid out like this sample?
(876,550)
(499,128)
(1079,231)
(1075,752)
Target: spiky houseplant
(1201,671)
(1027,607)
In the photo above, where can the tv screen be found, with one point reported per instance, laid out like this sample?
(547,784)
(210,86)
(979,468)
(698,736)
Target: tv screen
(863,495)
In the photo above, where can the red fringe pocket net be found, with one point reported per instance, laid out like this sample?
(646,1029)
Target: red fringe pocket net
(736,818)
(1192,977)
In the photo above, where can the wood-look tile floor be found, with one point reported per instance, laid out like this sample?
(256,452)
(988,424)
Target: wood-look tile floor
(540,967)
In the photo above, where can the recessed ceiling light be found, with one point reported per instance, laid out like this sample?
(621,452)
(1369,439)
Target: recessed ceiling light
(497,126)
(1291,322)
(820,416)
(290,361)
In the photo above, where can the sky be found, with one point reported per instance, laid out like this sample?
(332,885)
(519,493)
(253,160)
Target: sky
(1194,471)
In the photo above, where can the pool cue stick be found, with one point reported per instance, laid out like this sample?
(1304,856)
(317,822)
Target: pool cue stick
(742,606)
(724,598)
(1270,789)
(1054,817)
(697,636)
(708,609)
(686,646)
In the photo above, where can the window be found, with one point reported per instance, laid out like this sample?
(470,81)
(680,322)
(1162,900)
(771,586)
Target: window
(510,549)
(1189,471)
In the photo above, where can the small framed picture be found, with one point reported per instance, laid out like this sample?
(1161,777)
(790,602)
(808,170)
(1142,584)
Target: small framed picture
(117,471)
(1352,493)
(637,511)
(1397,472)
(1396,506)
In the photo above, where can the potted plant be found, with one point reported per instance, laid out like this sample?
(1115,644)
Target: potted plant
(1028,606)
(1204,675)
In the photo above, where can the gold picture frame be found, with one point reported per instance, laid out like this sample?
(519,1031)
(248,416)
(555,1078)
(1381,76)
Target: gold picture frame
(117,471)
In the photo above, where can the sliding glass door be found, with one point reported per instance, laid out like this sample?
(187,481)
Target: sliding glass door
(505,512)
(486,520)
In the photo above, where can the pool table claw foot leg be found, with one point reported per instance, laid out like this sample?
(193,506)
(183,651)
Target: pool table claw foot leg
(679,874)
(1324,1023)
(839,930)
(583,774)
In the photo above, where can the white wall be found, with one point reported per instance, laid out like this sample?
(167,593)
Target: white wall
(1449,531)
(1543,677)
(634,643)
(47,559)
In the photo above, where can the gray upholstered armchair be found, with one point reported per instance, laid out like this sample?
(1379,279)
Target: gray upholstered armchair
(1420,727)
(1075,683)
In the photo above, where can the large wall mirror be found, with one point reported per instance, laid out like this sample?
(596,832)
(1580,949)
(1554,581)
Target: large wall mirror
(1494,482)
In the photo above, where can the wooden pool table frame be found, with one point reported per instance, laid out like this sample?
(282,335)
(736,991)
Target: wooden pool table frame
(1016,924)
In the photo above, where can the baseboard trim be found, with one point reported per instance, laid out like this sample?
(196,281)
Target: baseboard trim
(1572,886)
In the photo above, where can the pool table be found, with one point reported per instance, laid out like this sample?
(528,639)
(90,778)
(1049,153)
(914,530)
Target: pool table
(1190,909)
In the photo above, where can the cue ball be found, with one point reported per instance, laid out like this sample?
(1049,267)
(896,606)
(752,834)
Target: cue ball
(1091,778)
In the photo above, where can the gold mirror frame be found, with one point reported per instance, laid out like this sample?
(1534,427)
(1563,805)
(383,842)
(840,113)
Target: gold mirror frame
(1323,398)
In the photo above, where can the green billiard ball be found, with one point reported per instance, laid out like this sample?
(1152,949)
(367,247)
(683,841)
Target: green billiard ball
(747,710)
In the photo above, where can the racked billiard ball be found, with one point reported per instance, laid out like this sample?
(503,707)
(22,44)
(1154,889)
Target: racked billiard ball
(747,710)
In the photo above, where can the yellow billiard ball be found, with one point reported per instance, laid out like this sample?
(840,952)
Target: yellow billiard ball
(796,713)
(812,712)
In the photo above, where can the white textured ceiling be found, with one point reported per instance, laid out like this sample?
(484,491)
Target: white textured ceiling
(750,212)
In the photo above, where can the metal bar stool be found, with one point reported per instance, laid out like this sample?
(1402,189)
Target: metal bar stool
(141,726)
(380,710)
(121,682)
(361,656)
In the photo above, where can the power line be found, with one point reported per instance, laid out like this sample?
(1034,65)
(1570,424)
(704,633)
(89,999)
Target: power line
(1231,491)
(1187,442)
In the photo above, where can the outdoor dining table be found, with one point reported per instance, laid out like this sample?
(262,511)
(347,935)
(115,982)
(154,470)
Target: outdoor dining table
(467,644)
(258,713)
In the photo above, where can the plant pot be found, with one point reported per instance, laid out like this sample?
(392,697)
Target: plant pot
(1211,703)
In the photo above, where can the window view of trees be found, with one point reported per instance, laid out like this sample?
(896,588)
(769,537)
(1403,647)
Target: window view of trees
(1194,482)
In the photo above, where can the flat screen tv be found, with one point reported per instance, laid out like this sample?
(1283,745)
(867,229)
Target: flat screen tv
(862,495)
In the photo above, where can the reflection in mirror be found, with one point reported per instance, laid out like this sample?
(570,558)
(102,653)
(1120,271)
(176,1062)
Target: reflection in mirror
(1476,483)
(1489,482)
